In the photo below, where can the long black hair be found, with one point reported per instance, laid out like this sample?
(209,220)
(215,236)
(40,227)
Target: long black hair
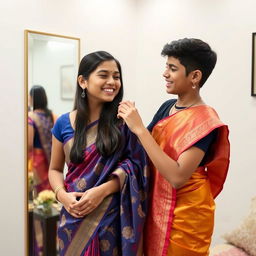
(39,100)
(108,138)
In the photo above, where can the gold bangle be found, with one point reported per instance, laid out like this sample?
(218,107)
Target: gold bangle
(57,189)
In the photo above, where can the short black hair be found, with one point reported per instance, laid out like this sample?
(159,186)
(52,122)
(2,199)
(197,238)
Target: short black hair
(193,54)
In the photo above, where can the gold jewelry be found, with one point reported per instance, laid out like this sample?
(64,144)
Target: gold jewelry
(57,189)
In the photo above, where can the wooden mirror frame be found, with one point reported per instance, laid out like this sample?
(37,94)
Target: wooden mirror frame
(26,91)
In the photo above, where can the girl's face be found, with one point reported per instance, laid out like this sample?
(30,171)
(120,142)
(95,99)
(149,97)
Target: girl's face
(175,76)
(103,83)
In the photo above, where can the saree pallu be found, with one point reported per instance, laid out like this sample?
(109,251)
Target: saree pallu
(40,168)
(39,157)
(115,226)
(180,222)
(43,125)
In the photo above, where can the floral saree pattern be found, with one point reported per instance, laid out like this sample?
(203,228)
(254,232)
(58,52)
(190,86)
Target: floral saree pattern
(115,226)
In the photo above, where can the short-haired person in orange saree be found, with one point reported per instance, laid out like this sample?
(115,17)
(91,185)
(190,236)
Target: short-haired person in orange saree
(105,189)
(189,150)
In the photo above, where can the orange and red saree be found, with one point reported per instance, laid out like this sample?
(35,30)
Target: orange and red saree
(180,222)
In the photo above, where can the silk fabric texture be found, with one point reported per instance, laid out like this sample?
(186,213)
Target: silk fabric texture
(39,158)
(180,222)
(115,226)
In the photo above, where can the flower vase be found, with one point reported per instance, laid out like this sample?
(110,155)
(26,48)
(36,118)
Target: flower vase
(46,208)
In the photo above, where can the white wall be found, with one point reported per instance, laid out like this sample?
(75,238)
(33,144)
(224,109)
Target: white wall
(135,32)
(46,72)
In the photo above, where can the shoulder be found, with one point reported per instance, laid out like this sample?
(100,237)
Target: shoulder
(167,104)
(30,114)
(162,112)
(30,118)
(63,118)
(61,122)
(164,107)
(204,112)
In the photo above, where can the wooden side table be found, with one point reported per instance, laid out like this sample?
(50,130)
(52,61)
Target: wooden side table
(49,230)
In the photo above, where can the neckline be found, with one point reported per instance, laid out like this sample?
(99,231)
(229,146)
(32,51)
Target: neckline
(177,107)
(92,124)
(88,126)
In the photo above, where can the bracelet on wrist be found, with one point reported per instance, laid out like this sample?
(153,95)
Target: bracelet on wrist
(56,190)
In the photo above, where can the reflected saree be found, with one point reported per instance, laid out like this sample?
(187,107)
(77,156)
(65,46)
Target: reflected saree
(115,226)
(180,222)
(39,157)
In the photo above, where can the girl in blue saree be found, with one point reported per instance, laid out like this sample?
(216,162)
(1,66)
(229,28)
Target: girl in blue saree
(104,192)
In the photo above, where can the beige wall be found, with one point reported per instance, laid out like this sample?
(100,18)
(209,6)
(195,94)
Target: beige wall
(135,32)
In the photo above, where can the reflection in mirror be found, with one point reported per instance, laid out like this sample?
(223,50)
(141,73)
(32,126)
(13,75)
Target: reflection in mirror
(51,63)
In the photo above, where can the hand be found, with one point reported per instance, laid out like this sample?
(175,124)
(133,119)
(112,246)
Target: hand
(90,200)
(130,115)
(68,199)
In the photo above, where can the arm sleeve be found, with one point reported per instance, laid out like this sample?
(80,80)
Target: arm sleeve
(206,141)
(57,130)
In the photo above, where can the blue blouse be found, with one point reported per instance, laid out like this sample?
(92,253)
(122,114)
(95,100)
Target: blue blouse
(62,129)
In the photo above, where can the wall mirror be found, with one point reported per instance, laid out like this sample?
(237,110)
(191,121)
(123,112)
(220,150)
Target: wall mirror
(51,64)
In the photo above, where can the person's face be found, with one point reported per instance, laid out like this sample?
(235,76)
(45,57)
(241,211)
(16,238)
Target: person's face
(175,76)
(103,83)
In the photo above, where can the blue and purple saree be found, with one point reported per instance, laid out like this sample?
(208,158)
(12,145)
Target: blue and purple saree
(115,226)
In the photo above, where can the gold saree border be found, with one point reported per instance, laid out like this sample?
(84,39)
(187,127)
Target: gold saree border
(120,173)
(43,140)
(87,228)
(174,134)
(91,136)
(161,213)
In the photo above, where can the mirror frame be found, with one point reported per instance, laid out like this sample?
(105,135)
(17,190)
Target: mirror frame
(26,200)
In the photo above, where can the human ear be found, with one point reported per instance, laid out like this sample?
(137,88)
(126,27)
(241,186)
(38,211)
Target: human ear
(196,76)
(82,82)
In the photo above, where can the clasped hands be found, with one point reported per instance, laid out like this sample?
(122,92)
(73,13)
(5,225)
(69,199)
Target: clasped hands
(89,201)
(128,112)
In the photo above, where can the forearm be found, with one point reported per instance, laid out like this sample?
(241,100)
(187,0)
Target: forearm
(168,167)
(175,172)
(56,180)
(110,187)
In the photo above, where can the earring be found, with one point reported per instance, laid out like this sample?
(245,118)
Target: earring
(193,86)
(83,93)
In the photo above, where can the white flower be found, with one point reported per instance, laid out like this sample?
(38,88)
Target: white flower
(45,197)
